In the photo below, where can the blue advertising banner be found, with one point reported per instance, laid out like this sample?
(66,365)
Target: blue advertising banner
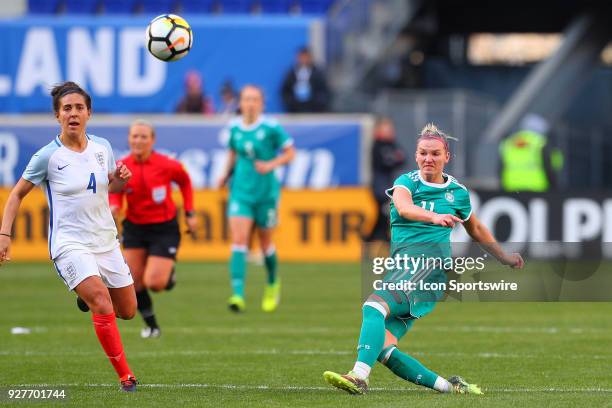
(108,57)
(328,152)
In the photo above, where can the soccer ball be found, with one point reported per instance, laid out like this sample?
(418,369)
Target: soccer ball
(169,37)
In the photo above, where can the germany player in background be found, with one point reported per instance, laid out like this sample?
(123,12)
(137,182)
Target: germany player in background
(76,171)
(426,204)
(254,145)
(151,233)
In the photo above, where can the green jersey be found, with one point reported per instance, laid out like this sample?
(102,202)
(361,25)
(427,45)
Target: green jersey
(427,241)
(447,198)
(260,141)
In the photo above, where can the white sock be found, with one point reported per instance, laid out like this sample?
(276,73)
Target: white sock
(362,370)
(442,385)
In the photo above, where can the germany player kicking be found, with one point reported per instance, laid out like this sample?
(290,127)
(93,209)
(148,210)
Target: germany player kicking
(426,204)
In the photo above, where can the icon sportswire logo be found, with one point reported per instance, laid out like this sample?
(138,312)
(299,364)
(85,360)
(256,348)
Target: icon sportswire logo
(179,41)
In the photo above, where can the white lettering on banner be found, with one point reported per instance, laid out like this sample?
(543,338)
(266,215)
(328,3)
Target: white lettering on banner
(9,147)
(131,83)
(320,162)
(38,65)
(91,64)
(606,237)
(538,228)
(5,85)
(217,167)
(582,220)
(519,219)
(322,168)
(298,169)
(195,162)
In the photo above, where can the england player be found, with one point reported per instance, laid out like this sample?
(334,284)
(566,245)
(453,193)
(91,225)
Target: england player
(426,205)
(254,145)
(76,171)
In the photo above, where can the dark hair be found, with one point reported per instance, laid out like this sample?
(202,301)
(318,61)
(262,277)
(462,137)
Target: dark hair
(65,88)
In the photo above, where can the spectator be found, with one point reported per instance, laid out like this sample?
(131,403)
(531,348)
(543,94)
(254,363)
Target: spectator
(195,99)
(528,161)
(387,157)
(229,99)
(304,88)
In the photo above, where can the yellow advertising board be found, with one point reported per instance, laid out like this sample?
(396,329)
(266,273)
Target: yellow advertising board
(315,225)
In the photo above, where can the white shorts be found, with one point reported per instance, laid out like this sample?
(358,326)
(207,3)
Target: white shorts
(74,266)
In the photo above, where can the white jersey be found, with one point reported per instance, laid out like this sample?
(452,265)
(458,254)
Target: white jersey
(76,185)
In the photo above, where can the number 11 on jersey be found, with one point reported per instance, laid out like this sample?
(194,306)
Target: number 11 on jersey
(92,183)
(424,205)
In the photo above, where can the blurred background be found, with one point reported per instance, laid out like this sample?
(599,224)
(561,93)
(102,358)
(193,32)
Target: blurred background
(525,87)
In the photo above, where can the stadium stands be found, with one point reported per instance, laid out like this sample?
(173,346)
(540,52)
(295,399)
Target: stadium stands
(118,6)
(43,6)
(316,7)
(80,6)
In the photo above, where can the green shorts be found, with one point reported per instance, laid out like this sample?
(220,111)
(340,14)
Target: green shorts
(403,312)
(265,214)
(404,307)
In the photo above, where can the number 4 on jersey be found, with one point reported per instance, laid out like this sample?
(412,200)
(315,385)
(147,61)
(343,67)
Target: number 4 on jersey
(92,183)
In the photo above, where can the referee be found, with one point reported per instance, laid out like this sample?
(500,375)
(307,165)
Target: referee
(151,233)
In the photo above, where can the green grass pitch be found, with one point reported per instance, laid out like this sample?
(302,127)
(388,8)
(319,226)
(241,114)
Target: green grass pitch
(522,354)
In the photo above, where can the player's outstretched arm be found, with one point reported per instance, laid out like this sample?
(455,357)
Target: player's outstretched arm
(21,189)
(481,234)
(402,199)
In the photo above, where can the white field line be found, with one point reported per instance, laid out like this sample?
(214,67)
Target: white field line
(332,330)
(277,352)
(311,388)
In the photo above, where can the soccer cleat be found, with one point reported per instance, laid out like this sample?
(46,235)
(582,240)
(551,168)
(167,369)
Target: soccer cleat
(150,332)
(347,382)
(271,297)
(129,384)
(236,304)
(82,305)
(460,386)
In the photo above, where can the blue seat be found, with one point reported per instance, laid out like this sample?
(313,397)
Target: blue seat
(82,6)
(43,6)
(315,6)
(119,6)
(236,6)
(198,6)
(158,6)
(276,6)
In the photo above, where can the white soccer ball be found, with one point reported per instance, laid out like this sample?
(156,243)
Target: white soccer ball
(169,37)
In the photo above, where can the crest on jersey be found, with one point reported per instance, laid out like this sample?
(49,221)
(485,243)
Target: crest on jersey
(260,134)
(159,194)
(450,197)
(100,159)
